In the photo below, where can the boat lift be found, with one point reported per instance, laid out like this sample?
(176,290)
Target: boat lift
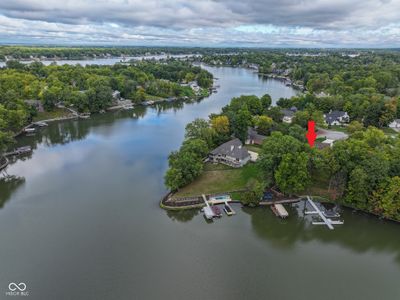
(325,220)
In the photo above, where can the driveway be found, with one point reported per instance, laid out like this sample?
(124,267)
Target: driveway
(332,134)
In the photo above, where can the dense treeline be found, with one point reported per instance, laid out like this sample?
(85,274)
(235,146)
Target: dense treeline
(89,88)
(81,52)
(362,172)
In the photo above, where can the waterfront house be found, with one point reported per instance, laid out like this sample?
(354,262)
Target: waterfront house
(253,137)
(336,117)
(231,153)
(395,124)
(288,114)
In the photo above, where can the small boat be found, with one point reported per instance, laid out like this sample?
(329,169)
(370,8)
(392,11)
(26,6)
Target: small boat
(84,116)
(217,211)
(228,210)
(24,149)
(29,130)
(41,124)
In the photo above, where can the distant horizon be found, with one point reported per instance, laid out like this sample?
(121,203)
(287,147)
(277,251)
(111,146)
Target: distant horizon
(100,45)
(223,23)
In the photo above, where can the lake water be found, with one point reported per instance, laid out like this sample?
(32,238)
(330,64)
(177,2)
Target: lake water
(106,61)
(80,219)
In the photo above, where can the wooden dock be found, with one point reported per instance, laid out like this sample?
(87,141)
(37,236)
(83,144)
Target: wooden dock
(19,151)
(266,203)
(279,210)
(3,163)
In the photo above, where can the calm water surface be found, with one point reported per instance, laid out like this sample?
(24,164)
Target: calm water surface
(80,220)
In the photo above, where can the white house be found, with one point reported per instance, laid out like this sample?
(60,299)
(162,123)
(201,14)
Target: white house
(231,153)
(288,114)
(336,117)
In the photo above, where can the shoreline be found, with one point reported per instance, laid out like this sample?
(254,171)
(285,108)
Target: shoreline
(319,199)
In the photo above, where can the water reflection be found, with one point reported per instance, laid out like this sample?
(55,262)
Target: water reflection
(360,233)
(182,215)
(8,186)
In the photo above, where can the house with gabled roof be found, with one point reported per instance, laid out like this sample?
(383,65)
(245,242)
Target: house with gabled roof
(336,117)
(253,137)
(231,153)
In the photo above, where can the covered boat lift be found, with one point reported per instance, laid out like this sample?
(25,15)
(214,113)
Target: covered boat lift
(325,221)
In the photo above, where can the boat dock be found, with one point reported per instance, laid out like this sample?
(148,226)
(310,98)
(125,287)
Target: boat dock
(208,212)
(19,151)
(229,210)
(325,220)
(213,211)
(3,163)
(279,210)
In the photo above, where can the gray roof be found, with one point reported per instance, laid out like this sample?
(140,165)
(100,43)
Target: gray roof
(334,115)
(234,148)
(288,112)
(253,135)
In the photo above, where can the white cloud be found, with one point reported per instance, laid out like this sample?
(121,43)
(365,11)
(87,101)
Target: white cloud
(203,22)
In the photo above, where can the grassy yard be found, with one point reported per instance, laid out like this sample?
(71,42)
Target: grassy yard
(57,113)
(319,187)
(219,179)
(389,131)
(254,148)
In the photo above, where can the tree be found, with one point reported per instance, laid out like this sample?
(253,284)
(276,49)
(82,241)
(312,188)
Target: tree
(275,113)
(220,124)
(240,123)
(252,196)
(263,124)
(196,146)
(266,101)
(173,179)
(292,175)
(50,97)
(355,126)
(358,188)
(200,129)
(387,199)
(274,148)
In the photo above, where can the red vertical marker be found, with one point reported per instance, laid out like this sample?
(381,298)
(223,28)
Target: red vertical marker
(311,135)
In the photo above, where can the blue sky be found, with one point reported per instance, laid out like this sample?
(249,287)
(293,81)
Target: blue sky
(285,23)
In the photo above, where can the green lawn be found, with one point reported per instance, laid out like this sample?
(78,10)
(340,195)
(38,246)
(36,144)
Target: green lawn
(389,131)
(319,186)
(57,113)
(254,148)
(220,179)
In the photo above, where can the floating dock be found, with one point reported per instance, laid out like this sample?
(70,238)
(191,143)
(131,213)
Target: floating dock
(279,210)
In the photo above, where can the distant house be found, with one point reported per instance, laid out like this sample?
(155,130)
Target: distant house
(395,124)
(336,117)
(321,94)
(288,114)
(36,104)
(253,137)
(231,153)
